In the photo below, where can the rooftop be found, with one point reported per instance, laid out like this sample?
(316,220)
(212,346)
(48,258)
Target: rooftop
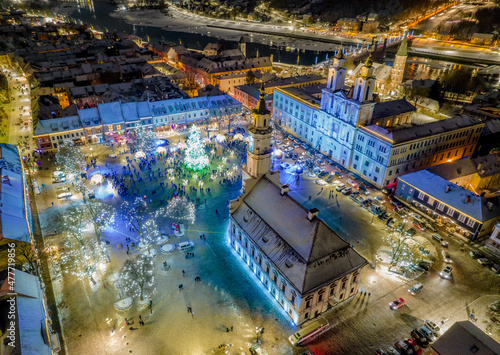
(307,252)
(401,134)
(392,108)
(456,197)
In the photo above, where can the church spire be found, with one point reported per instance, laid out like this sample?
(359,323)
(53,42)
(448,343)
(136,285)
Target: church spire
(261,108)
(402,52)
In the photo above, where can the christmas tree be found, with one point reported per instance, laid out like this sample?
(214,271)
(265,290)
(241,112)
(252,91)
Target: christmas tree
(196,157)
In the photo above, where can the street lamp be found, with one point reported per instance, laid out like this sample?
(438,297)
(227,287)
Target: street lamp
(91,152)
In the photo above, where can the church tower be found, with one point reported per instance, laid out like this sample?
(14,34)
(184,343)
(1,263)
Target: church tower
(242,46)
(336,73)
(365,82)
(398,70)
(259,145)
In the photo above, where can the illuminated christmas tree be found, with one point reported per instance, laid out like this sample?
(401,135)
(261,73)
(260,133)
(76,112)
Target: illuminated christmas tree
(138,216)
(146,140)
(196,157)
(137,277)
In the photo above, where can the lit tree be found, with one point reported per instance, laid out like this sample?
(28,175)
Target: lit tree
(196,157)
(180,209)
(26,258)
(137,216)
(146,140)
(403,249)
(82,255)
(71,161)
(137,276)
(100,214)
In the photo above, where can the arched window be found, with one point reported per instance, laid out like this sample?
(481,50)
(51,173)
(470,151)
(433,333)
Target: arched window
(367,92)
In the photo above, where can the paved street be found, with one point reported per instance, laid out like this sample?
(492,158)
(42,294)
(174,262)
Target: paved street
(18,110)
(227,295)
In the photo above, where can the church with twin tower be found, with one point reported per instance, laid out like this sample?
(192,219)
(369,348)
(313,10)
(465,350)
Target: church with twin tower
(291,254)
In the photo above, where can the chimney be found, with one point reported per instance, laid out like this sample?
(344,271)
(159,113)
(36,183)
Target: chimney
(285,189)
(467,199)
(447,188)
(489,205)
(312,213)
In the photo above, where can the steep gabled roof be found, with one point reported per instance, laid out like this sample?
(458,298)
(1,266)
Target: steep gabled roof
(307,252)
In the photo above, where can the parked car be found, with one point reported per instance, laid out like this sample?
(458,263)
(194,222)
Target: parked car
(440,240)
(484,261)
(425,265)
(380,352)
(338,174)
(392,351)
(347,191)
(446,272)
(475,254)
(495,268)
(351,182)
(416,288)
(404,348)
(432,327)
(397,303)
(340,187)
(323,174)
(419,337)
(284,166)
(446,256)
(418,350)
(429,334)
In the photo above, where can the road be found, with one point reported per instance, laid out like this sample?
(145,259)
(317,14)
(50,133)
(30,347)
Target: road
(19,124)
(229,294)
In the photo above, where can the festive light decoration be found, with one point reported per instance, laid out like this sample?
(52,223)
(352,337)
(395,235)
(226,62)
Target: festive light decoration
(137,216)
(82,253)
(136,277)
(220,138)
(161,150)
(72,162)
(146,141)
(139,155)
(238,137)
(180,209)
(196,158)
(403,249)
(97,179)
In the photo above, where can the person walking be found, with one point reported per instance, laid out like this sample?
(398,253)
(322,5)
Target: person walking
(141,322)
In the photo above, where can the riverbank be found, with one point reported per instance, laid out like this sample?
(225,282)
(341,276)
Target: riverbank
(174,22)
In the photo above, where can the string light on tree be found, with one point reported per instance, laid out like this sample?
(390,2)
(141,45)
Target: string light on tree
(196,157)
(136,277)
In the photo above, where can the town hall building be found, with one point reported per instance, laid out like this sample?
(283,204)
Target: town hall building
(303,264)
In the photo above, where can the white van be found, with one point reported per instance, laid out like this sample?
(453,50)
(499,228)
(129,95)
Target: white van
(416,288)
(184,246)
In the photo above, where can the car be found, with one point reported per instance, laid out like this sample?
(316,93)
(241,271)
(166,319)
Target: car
(347,191)
(417,349)
(288,155)
(397,303)
(256,349)
(320,162)
(339,175)
(446,256)
(429,334)
(323,174)
(425,265)
(295,156)
(411,231)
(392,351)
(380,352)
(378,199)
(475,254)
(330,178)
(284,166)
(439,239)
(446,272)
(419,337)
(416,288)
(185,246)
(351,182)
(432,327)
(484,261)
(403,348)
(340,187)
(495,268)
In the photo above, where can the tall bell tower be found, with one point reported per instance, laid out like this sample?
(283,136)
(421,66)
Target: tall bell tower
(259,145)
(398,70)
(336,73)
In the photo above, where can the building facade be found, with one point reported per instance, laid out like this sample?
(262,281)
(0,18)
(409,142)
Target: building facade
(303,264)
(466,213)
(111,121)
(377,140)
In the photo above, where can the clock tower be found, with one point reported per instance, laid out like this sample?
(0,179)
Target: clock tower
(259,145)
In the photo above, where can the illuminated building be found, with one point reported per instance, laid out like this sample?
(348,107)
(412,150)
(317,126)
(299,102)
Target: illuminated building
(303,264)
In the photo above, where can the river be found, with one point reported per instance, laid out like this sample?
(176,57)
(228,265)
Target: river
(96,13)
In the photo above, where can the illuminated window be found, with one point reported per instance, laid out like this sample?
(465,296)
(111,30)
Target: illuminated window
(471,223)
(440,206)
(462,218)
(450,211)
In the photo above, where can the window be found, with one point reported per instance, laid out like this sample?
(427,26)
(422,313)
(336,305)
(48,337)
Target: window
(377,169)
(421,195)
(440,206)
(430,201)
(450,211)
(390,172)
(461,218)
(275,277)
(320,298)
(471,223)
